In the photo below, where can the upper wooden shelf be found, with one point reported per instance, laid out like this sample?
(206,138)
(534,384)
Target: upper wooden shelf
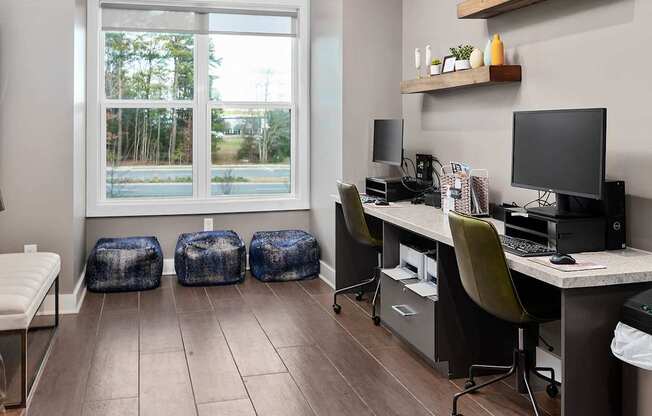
(480,76)
(484,9)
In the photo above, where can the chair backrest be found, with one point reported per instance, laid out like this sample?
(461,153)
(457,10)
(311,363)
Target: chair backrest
(354,215)
(483,268)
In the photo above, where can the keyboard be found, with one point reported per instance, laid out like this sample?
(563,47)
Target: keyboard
(524,248)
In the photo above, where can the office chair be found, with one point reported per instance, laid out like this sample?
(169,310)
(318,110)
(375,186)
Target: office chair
(487,280)
(356,224)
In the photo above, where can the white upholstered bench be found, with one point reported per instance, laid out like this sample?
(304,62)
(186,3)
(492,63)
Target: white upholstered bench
(25,282)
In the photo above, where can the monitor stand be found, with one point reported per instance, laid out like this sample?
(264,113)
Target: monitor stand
(567,207)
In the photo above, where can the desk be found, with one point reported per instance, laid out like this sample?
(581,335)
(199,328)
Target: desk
(590,301)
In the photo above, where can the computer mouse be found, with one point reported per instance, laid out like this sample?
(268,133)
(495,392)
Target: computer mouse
(560,258)
(381,202)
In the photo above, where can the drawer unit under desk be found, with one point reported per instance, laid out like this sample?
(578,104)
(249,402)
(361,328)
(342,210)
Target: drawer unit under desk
(408,315)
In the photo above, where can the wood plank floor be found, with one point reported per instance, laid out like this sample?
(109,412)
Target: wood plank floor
(251,349)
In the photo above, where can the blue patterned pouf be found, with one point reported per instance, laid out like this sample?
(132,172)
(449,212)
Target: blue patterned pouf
(210,258)
(276,256)
(124,264)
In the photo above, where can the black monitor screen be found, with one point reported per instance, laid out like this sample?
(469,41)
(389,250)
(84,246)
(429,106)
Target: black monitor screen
(388,142)
(562,151)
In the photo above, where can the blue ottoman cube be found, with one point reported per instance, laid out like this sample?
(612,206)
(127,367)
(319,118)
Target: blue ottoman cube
(278,256)
(124,264)
(210,258)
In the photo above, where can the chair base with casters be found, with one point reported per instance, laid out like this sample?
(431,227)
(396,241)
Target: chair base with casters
(356,225)
(519,366)
(337,308)
(488,281)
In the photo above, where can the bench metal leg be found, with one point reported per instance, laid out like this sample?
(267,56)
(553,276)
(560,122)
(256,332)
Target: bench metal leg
(24,393)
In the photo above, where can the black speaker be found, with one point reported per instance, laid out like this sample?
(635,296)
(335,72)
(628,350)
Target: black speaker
(613,208)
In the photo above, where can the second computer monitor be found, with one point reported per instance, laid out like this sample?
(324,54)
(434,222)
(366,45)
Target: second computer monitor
(388,142)
(561,151)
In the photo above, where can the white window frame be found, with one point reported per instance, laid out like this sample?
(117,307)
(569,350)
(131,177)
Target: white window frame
(97,205)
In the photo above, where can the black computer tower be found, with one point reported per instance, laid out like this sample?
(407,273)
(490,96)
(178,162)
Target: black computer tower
(613,206)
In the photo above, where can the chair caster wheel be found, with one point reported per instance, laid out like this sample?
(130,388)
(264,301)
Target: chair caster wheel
(337,308)
(552,390)
(469,384)
(358,296)
(376,320)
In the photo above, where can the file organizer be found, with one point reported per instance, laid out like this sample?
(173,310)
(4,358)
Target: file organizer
(470,191)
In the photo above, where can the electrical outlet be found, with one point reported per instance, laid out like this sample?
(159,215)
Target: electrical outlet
(208,224)
(30,248)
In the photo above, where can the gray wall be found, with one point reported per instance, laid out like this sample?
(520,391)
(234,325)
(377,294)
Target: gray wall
(37,130)
(167,229)
(355,78)
(79,138)
(325,120)
(584,53)
(371,81)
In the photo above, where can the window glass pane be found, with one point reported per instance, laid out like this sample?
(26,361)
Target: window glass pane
(250,151)
(250,23)
(149,66)
(148,153)
(250,68)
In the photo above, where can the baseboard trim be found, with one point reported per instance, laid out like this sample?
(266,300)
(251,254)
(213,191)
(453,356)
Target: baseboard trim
(327,274)
(69,303)
(168,266)
(78,295)
(72,302)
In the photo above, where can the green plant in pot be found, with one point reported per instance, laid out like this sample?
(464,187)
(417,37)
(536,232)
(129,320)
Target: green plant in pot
(462,54)
(435,67)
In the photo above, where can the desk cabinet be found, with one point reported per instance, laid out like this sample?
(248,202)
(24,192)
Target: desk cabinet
(408,315)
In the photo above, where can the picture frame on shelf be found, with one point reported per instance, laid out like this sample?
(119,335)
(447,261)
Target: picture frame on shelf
(448,65)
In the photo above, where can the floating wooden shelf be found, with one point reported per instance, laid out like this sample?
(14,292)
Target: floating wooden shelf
(484,75)
(484,9)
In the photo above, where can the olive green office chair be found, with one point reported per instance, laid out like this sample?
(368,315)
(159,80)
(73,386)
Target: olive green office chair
(487,280)
(356,224)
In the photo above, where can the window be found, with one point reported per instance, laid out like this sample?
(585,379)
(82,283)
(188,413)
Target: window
(197,110)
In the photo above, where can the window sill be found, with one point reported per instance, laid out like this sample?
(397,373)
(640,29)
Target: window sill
(142,208)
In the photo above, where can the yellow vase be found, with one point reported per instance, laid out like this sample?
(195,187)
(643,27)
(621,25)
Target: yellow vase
(497,51)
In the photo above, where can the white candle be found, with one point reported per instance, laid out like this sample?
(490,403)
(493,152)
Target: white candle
(428,56)
(417,58)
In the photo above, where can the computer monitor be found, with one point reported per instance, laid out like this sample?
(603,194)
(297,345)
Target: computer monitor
(561,151)
(388,142)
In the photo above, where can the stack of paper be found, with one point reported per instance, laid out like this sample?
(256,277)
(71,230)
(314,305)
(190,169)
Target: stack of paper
(425,289)
(400,273)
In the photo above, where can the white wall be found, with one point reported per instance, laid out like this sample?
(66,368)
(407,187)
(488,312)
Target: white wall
(581,53)
(37,130)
